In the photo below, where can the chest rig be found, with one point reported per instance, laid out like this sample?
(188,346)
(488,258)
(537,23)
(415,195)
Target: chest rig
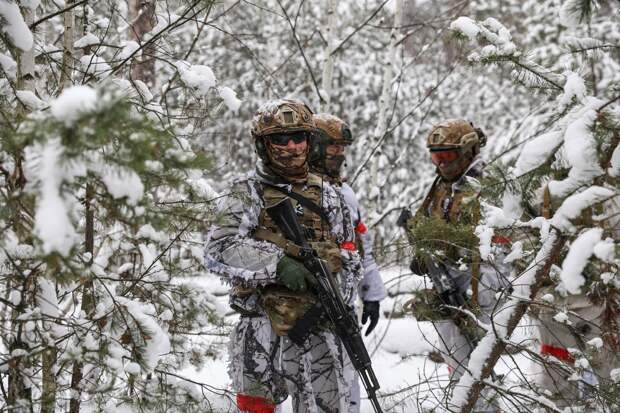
(283,306)
(307,201)
(442,202)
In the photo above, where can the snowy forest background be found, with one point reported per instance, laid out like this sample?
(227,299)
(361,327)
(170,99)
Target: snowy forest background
(121,122)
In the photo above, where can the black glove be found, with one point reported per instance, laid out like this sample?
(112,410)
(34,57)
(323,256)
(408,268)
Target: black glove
(371,310)
(405,215)
(418,266)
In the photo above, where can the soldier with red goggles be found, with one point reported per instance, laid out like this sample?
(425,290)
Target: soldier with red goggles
(445,246)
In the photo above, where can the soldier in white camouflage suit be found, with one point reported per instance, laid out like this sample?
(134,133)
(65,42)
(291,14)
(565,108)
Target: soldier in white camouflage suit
(270,287)
(327,158)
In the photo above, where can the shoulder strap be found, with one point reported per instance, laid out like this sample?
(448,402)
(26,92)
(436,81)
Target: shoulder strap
(302,200)
(427,199)
(289,247)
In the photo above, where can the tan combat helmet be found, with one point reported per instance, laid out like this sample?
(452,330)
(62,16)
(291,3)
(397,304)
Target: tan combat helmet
(455,134)
(277,118)
(282,116)
(333,128)
(460,137)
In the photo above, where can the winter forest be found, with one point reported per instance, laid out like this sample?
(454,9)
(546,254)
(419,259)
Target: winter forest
(123,123)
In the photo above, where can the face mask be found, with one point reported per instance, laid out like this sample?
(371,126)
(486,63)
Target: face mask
(333,165)
(290,165)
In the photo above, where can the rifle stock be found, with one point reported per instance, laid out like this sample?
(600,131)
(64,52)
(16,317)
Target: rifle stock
(333,306)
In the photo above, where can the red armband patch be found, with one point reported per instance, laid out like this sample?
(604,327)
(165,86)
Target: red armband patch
(254,404)
(360,228)
(348,245)
(559,353)
(498,239)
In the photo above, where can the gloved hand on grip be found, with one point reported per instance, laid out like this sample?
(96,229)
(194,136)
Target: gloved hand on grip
(418,266)
(371,311)
(294,275)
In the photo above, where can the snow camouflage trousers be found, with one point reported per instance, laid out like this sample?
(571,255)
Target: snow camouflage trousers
(453,346)
(557,338)
(266,365)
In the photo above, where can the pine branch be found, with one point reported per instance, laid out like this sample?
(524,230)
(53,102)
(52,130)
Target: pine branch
(608,103)
(519,311)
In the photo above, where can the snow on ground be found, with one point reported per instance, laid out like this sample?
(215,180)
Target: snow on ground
(399,347)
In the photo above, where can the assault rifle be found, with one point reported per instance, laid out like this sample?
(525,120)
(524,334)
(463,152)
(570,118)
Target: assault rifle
(450,296)
(331,306)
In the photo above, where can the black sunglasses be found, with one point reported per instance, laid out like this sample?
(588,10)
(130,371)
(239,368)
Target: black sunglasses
(283,138)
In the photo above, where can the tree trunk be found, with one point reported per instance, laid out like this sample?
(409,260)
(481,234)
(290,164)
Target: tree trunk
(66,70)
(48,377)
(142,14)
(384,103)
(384,100)
(18,392)
(88,299)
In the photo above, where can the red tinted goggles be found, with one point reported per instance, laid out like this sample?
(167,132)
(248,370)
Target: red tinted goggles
(439,157)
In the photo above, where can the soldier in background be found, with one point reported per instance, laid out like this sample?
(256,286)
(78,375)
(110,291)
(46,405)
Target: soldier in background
(441,233)
(589,325)
(327,158)
(270,286)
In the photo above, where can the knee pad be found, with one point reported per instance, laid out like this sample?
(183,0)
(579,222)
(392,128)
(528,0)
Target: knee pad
(254,404)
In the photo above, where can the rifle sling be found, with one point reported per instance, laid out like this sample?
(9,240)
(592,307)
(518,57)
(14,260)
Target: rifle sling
(302,200)
(289,247)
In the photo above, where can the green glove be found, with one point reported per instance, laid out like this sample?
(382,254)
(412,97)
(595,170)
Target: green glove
(293,274)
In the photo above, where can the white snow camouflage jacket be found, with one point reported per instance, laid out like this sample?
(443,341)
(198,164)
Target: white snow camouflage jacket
(371,288)
(246,262)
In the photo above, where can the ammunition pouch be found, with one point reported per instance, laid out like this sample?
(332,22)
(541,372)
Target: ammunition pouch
(330,253)
(242,293)
(285,307)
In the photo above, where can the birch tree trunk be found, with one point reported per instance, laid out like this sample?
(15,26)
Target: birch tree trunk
(86,302)
(20,365)
(66,70)
(142,14)
(384,103)
(328,66)
(25,59)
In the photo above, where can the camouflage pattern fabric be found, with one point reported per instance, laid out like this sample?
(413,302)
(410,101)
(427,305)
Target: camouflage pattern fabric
(452,344)
(253,347)
(588,318)
(371,287)
(585,322)
(261,362)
